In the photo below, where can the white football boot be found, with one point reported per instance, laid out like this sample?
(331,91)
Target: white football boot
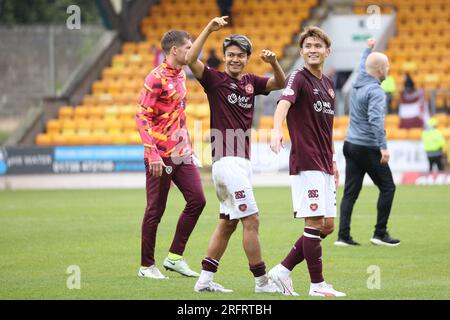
(284,284)
(267,287)
(151,272)
(210,287)
(179,266)
(324,290)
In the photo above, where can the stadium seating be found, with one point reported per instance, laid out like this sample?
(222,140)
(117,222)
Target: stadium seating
(106,115)
(421,45)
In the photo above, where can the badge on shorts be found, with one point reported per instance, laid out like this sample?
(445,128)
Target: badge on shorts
(243,207)
(313,206)
(169,169)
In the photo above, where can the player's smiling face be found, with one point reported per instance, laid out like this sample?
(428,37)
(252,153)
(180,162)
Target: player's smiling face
(235,60)
(314,51)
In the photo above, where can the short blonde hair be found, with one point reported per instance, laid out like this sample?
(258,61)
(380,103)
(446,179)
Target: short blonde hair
(315,32)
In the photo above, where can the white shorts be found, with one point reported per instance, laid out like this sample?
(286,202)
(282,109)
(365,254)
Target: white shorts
(313,194)
(232,180)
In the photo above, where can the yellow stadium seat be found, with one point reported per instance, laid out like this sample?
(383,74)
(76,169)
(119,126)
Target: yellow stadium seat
(134,138)
(339,133)
(84,126)
(266,122)
(104,139)
(81,112)
(59,140)
(414,134)
(392,120)
(43,139)
(53,126)
(68,126)
(119,139)
(65,112)
(442,118)
(342,121)
(396,134)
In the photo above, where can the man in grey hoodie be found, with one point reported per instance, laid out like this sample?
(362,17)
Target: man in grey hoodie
(365,147)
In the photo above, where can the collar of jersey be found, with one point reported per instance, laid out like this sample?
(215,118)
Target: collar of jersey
(171,71)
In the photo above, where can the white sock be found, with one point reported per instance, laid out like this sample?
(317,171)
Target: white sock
(285,272)
(262,281)
(206,276)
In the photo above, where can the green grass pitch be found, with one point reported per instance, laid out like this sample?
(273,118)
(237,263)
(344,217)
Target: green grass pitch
(42,233)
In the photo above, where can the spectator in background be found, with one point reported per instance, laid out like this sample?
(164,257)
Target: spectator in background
(158,55)
(413,109)
(389,88)
(433,143)
(225,9)
(365,148)
(213,60)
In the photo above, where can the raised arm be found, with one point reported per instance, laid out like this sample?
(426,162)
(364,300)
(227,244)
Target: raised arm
(197,67)
(366,52)
(277,81)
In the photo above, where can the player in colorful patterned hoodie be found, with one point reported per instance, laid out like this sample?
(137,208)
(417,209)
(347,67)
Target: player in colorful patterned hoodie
(161,121)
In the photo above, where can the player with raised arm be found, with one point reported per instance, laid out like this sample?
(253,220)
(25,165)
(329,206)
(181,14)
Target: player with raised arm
(308,104)
(161,121)
(231,95)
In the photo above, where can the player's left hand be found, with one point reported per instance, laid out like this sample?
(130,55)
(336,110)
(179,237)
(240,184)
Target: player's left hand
(268,56)
(336,174)
(276,142)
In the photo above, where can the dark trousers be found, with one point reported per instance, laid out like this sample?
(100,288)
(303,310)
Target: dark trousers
(436,160)
(359,161)
(187,178)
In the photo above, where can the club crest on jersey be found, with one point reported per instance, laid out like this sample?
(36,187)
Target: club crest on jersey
(249,89)
(169,169)
(313,206)
(331,93)
(243,207)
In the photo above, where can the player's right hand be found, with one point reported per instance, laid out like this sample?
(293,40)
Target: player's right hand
(217,23)
(155,168)
(371,43)
(384,156)
(276,142)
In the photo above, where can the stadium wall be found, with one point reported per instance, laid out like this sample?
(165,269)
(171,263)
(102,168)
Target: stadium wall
(122,166)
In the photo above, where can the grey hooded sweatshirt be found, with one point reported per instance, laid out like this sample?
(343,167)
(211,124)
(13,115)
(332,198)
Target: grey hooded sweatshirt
(367,109)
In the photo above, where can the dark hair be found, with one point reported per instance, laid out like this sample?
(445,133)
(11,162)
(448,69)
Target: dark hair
(314,32)
(238,40)
(409,83)
(174,38)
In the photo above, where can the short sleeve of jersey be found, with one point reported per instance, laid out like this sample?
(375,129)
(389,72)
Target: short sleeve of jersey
(152,90)
(260,84)
(210,78)
(293,87)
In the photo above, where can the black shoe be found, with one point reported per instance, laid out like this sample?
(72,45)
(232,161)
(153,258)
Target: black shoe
(386,240)
(346,242)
